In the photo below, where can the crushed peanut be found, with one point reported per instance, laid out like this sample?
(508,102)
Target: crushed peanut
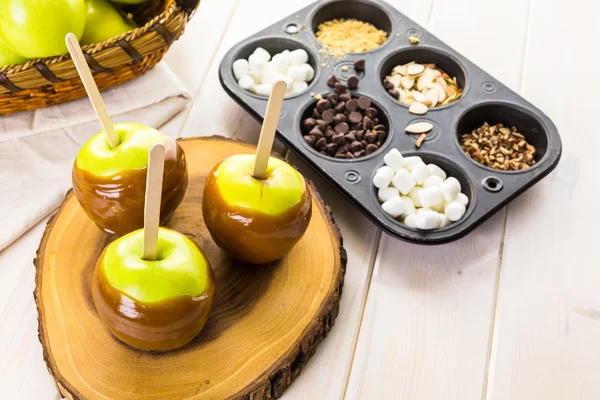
(350,35)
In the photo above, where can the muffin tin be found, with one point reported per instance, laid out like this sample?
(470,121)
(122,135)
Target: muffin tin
(484,99)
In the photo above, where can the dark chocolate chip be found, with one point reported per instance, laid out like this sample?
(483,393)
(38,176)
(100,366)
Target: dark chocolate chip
(332,80)
(353,82)
(350,136)
(340,107)
(356,127)
(351,105)
(323,105)
(378,143)
(339,139)
(364,143)
(328,116)
(394,93)
(376,120)
(358,154)
(322,125)
(316,114)
(343,149)
(364,102)
(321,143)
(329,133)
(324,152)
(309,123)
(333,98)
(340,88)
(332,148)
(371,137)
(388,85)
(368,123)
(380,127)
(316,132)
(340,155)
(359,65)
(340,118)
(381,136)
(356,146)
(342,127)
(371,113)
(360,134)
(310,139)
(355,117)
(349,156)
(371,148)
(346,96)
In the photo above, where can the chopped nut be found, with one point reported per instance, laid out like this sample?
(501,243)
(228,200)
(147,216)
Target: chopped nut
(413,40)
(420,140)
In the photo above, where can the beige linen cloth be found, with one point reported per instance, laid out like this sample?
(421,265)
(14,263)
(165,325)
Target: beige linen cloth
(37,148)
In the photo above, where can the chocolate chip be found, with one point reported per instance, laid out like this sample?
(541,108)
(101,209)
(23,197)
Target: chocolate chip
(356,146)
(364,143)
(340,155)
(381,136)
(394,93)
(332,148)
(358,154)
(329,133)
(321,143)
(359,65)
(310,139)
(371,148)
(355,117)
(328,115)
(309,123)
(364,102)
(322,125)
(349,156)
(360,134)
(356,127)
(333,98)
(351,105)
(350,136)
(388,85)
(323,105)
(343,149)
(371,112)
(367,123)
(346,96)
(340,107)
(376,120)
(332,80)
(316,132)
(342,127)
(340,88)
(353,82)
(339,139)
(378,143)
(340,118)
(370,137)
(380,127)
(316,114)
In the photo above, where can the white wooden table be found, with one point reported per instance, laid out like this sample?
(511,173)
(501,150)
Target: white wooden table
(512,311)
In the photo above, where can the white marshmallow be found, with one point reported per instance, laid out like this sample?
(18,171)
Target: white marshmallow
(297,73)
(269,73)
(428,220)
(410,207)
(437,171)
(455,210)
(411,162)
(431,197)
(450,189)
(394,207)
(394,159)
(461,197)
(444,221)
(262,54)
(310,72)
(383,177)
(285,53)
(433,180)
(404,181)
(281,62)
(414,196)
(289,82)
(410,220)
(298,57)
(422,210)
(386,193)
(437,207)
(240,69)
(299,87)
(247,83)
(262,90)
(420,172)
(257,65)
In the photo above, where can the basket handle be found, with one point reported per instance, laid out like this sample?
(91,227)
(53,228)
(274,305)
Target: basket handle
(188,6)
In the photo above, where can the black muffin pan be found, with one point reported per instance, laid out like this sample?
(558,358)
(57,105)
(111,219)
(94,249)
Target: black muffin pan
(484,99)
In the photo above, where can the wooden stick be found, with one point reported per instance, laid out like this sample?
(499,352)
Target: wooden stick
(269,127)
(91,89)
(154,183)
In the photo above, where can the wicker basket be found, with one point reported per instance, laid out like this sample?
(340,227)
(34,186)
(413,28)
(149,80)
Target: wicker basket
(47,81)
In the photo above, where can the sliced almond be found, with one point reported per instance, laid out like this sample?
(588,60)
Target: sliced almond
(450,90)
(425,79)
(452,98)
(408,102)
(427,102)
(432,95)
(418,96)
(418,108)
(440,81)
(430,66)
(395,79)
(437,73)
(440,92)
(399,70)
(407,82)
(413,40)
(419,127)
(415,69)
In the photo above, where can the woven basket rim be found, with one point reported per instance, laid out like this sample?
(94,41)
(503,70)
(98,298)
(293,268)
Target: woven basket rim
(97,47)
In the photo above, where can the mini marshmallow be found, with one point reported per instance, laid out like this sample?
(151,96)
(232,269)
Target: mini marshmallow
(455,211)
(444,221)
(410,220)
(240,69)
(411,162)
(299,86)
(394,207)
(410,207)
(257,65)
(298,57)
(404,181)
(422,210)
(433,180)
(281,62)
(310,72)
(414,196)
(262,54)
(247,83)
(420,172)
(437,171)
(262,90)
(450,189)
(386,193)
(427,220)
(431,197)
(394,159)
(383,177)
(297,73)
(269,73)
(437,207)
(461,197)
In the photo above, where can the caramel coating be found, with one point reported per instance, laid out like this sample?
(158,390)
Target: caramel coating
(116,203)
(251,236)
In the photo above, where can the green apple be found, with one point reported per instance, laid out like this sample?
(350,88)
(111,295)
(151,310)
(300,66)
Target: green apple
(102,22)
(110,183)
(37,28)
(153,305)
(256,220)
(8,56)
(129,1)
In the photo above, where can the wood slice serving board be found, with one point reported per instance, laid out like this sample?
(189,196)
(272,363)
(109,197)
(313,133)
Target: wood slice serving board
(265,324)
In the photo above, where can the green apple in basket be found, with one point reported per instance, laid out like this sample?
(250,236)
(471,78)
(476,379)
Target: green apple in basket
(102,22)
(8,56)
(37,28)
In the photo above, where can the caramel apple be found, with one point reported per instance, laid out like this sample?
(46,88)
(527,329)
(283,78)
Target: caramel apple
(110,182)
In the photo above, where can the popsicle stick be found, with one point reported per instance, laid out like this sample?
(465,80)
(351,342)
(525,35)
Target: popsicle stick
(154,183)
(91,89)
(267,132)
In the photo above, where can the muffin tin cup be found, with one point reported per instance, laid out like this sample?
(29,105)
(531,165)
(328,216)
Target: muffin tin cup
(484,99)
